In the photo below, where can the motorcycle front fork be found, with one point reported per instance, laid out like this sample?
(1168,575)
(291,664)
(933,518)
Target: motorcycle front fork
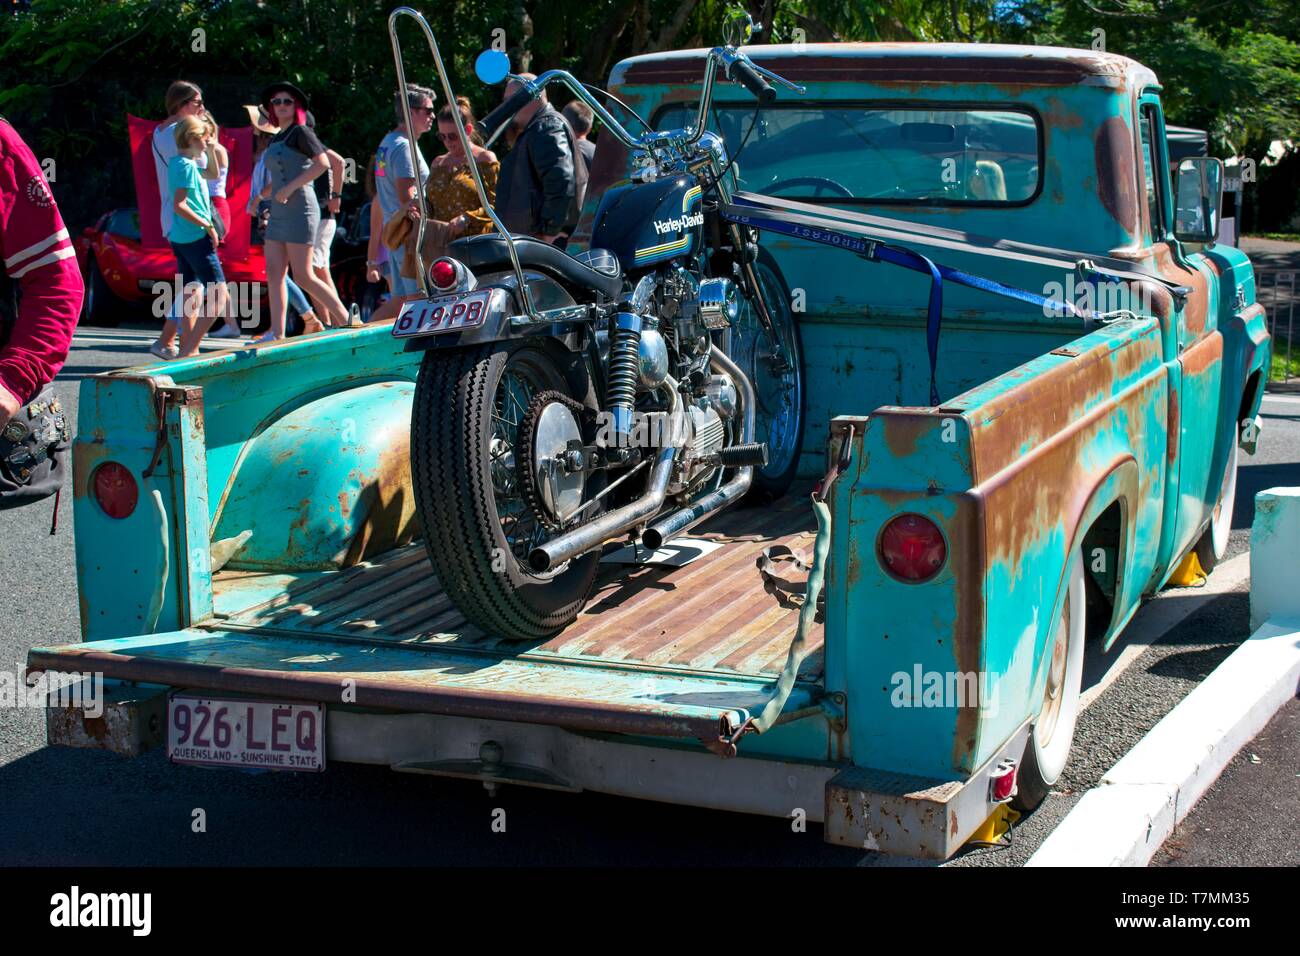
(752,287)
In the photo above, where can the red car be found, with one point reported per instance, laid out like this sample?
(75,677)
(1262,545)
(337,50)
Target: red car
(118,269)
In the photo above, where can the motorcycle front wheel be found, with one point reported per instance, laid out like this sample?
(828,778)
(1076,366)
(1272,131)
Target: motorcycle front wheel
(478,529)
(777,376)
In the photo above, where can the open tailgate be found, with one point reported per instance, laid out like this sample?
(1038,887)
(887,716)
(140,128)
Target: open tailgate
(577,695)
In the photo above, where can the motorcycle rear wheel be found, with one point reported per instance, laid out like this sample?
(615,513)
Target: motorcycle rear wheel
(477,529)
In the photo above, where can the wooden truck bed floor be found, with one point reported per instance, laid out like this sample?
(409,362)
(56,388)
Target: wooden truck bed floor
(711,615)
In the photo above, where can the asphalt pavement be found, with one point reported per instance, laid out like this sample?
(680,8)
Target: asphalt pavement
(75,807)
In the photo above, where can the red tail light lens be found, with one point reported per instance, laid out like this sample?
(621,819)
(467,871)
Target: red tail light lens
(115,490)
(912,548)
(443,273)
(1002,781)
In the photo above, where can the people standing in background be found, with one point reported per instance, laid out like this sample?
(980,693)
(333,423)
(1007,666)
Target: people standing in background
(329,196)
(260,210)
(183,99)
(543,177)
(580,117)
(217,196)
(294,158)
(193,234)
(455,208)
(376,251)
(395,180)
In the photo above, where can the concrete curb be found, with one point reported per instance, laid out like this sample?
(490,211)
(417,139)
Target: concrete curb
(1154,786)
(1125,819)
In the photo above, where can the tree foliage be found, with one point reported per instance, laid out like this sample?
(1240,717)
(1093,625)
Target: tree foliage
(70,70)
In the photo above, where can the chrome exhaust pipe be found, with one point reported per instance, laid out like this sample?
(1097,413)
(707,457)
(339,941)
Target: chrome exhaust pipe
(683,519)
(555,552)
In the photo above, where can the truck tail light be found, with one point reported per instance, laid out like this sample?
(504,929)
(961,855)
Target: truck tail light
(912,548)
(115,489)
(1002,781)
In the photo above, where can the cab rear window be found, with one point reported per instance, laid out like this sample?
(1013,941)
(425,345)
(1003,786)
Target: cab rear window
(880,153)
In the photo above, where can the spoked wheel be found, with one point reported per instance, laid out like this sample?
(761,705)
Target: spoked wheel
(1052,734)
(1214,542)
(478,526)
(777,377)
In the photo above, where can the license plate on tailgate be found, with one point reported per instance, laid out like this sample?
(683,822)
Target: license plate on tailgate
(446,313)
(237,732)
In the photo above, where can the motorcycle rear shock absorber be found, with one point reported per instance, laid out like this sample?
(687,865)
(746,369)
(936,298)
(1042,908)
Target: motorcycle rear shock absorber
(624,369)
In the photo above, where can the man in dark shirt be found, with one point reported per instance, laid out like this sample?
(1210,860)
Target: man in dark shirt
(579,116)
(541,185)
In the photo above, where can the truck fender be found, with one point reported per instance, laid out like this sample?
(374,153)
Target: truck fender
(1117,484)
(339,466)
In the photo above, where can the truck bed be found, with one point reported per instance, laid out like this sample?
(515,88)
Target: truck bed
(712,615)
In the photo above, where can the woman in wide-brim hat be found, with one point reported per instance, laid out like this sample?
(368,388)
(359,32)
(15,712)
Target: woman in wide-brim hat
(294,159)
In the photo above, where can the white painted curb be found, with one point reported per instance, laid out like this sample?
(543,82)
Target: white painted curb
(1125,819)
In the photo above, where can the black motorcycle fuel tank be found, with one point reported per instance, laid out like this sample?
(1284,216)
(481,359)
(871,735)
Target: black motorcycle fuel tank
(648,223)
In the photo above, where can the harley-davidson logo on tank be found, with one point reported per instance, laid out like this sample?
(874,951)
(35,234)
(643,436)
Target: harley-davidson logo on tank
(682,228)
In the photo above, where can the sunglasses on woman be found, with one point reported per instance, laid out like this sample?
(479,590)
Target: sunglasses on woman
(282,101)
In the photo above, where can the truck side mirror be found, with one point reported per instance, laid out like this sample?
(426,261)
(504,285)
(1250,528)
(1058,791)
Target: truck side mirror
(1198,198)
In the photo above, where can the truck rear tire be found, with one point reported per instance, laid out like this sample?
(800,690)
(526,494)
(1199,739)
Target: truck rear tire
(1214,542)
(1052,733)
(460,437)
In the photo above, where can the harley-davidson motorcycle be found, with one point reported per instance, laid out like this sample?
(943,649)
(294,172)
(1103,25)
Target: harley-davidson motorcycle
(623,393)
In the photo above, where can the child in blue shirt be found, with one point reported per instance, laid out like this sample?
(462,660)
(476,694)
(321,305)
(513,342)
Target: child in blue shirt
(193,235)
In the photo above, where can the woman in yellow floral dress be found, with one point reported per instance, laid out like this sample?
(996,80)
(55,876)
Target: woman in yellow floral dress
(452,200)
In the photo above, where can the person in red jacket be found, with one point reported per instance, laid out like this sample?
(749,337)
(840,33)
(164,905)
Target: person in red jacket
(37,254)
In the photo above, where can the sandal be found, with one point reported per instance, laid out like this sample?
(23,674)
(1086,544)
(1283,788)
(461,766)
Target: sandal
(312,326)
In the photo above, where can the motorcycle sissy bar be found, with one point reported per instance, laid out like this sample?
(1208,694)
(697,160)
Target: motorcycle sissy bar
(445,81)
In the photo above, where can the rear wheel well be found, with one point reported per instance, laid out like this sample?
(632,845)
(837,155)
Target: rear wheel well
(1101,559)
(1248,396)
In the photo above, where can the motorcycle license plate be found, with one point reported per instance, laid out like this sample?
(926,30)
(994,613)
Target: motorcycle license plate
(240,732)
(446,313)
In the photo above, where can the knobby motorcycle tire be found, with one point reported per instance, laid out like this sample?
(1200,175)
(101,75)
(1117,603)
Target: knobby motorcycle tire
(451,437)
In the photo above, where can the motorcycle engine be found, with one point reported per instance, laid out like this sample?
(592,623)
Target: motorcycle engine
(676,339)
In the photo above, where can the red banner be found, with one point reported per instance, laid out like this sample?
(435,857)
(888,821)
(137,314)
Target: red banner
(239,145)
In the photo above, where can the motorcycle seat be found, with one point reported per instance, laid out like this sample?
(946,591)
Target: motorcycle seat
(489,252)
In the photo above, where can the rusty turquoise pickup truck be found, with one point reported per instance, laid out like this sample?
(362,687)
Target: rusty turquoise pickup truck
(1026,373)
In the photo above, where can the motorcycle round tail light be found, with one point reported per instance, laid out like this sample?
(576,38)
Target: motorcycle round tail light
(443,273)
(115,490)
(912,548)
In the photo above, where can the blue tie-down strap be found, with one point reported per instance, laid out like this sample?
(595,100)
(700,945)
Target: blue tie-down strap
(902,256)
(910,259)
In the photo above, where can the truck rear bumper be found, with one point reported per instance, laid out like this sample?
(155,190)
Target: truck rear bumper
(863,808)
(714,709)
